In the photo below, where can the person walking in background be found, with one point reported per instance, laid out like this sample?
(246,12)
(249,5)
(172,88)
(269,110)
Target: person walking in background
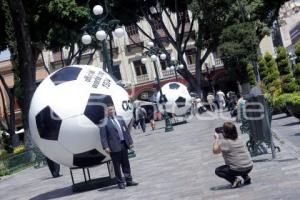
(237,158)
(221,99)
(210,99)
(116,140)
(240,108)
(141,115)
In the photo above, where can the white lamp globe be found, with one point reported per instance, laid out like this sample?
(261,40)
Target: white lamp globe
(153,57)
(181,66)
(173,58)
(101,35)
(119,32)
(144,60)
(163,56)
(98,10)
(150,44)
(86,39)
(172,67)
(168,69)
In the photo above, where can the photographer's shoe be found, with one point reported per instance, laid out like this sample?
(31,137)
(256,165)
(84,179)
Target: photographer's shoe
(237,183)
(247,180)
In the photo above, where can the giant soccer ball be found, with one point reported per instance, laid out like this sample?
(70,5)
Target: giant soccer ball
(176,97)
(66,110)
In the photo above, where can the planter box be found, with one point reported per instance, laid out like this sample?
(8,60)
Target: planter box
(294,110)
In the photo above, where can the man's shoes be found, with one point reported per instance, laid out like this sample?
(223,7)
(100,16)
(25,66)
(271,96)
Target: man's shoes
(247,181)
(131,183)
(121,186)
(237,183)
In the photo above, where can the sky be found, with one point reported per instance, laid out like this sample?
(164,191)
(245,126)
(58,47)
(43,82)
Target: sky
(4,55)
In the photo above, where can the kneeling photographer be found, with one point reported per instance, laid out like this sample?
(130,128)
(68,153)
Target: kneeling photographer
(237,159)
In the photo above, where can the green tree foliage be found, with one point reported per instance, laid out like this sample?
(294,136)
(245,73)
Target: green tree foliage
(271,81)
(262,67)
(287,82)
(297,69)
(237,47)
(251,74)
(248,22)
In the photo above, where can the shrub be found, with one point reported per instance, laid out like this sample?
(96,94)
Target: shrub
(285,99)
(19,149)
(288,84)
(3,154)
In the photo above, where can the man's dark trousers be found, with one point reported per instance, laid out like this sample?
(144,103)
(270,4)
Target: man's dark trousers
(121,159)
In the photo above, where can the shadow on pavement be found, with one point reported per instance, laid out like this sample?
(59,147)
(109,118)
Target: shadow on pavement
(58,193)
(292,124)
(283,117)
(220,187)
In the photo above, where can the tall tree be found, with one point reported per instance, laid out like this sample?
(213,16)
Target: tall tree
(38,24)
(237,47)
(288,84)
(26,63)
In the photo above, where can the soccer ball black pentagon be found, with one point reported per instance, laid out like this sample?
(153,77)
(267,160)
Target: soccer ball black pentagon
(176,97)
(66,110)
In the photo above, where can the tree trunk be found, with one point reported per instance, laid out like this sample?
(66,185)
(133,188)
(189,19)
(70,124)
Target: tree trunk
(26,63)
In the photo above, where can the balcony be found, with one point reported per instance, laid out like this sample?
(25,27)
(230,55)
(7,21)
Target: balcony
(142,78)
(167,74)
(219,62)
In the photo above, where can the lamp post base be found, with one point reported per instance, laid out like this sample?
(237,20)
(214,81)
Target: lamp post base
(169,126)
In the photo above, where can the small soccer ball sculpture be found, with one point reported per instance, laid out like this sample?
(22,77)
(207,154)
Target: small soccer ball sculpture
(176,97)
(66,110)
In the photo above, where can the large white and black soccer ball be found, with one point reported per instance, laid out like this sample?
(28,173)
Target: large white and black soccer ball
(176,98)
(66,110)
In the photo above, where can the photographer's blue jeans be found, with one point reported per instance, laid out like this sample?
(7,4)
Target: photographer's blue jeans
(229,174)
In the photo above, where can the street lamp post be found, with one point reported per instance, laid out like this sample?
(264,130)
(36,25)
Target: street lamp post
(102,29)
(175,65)
(153,53)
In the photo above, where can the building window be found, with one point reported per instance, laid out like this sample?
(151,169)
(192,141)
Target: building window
(190,56)
(186,15)
(132,30)
(157,24)
(140,68)
(116,72)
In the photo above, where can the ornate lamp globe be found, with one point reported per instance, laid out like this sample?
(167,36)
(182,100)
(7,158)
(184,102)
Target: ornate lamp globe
(86,39)
(101,35)
(119,32)
(172,67)
(150,44)
(168,69)
(153,58)
(144,60)
(181,66)
(163,56)
(98,10)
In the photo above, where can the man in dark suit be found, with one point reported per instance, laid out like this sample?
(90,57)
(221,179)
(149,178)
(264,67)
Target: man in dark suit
(116,140)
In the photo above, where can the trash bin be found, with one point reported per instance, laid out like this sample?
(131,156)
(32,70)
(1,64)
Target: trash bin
(257,115)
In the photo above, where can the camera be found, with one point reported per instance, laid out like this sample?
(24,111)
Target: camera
(219,130)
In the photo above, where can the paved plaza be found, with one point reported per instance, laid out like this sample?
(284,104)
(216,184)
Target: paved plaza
(175,165)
